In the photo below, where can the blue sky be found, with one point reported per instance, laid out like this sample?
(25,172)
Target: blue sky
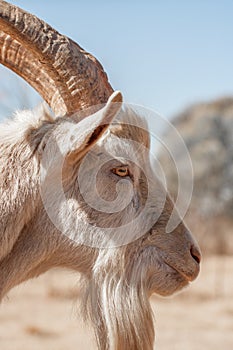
(161,54)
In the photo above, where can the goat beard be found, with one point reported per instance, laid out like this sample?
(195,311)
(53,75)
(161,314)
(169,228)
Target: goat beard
(116,301)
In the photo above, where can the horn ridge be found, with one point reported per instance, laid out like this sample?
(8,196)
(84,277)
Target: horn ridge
(66,76)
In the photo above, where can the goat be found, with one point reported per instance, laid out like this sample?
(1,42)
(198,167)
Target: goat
(77,189)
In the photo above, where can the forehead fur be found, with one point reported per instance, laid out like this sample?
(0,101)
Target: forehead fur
(129,125)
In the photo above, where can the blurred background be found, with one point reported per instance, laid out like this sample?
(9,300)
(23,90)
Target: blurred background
(174,57)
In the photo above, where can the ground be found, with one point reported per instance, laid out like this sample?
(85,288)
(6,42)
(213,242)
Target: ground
(43,313)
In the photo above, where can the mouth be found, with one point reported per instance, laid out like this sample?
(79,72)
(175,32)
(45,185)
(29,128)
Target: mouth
(166,278)
(189,277)
(166,283)
(183,265)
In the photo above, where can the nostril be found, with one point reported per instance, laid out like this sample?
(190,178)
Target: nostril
(195,254)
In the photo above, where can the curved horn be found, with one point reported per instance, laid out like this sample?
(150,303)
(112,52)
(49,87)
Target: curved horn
(67,77)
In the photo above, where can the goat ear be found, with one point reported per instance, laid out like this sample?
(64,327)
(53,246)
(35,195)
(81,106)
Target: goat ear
(90,129)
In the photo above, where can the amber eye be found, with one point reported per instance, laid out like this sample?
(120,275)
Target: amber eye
(121,171)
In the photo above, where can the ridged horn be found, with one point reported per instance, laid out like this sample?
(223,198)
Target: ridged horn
(67,77)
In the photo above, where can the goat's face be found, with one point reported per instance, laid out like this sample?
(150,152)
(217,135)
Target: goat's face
(114,200)
(117,208)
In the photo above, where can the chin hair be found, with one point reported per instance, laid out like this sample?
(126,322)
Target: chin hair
(117,304)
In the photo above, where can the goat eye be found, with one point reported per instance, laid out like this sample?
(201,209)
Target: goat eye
(121,171)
